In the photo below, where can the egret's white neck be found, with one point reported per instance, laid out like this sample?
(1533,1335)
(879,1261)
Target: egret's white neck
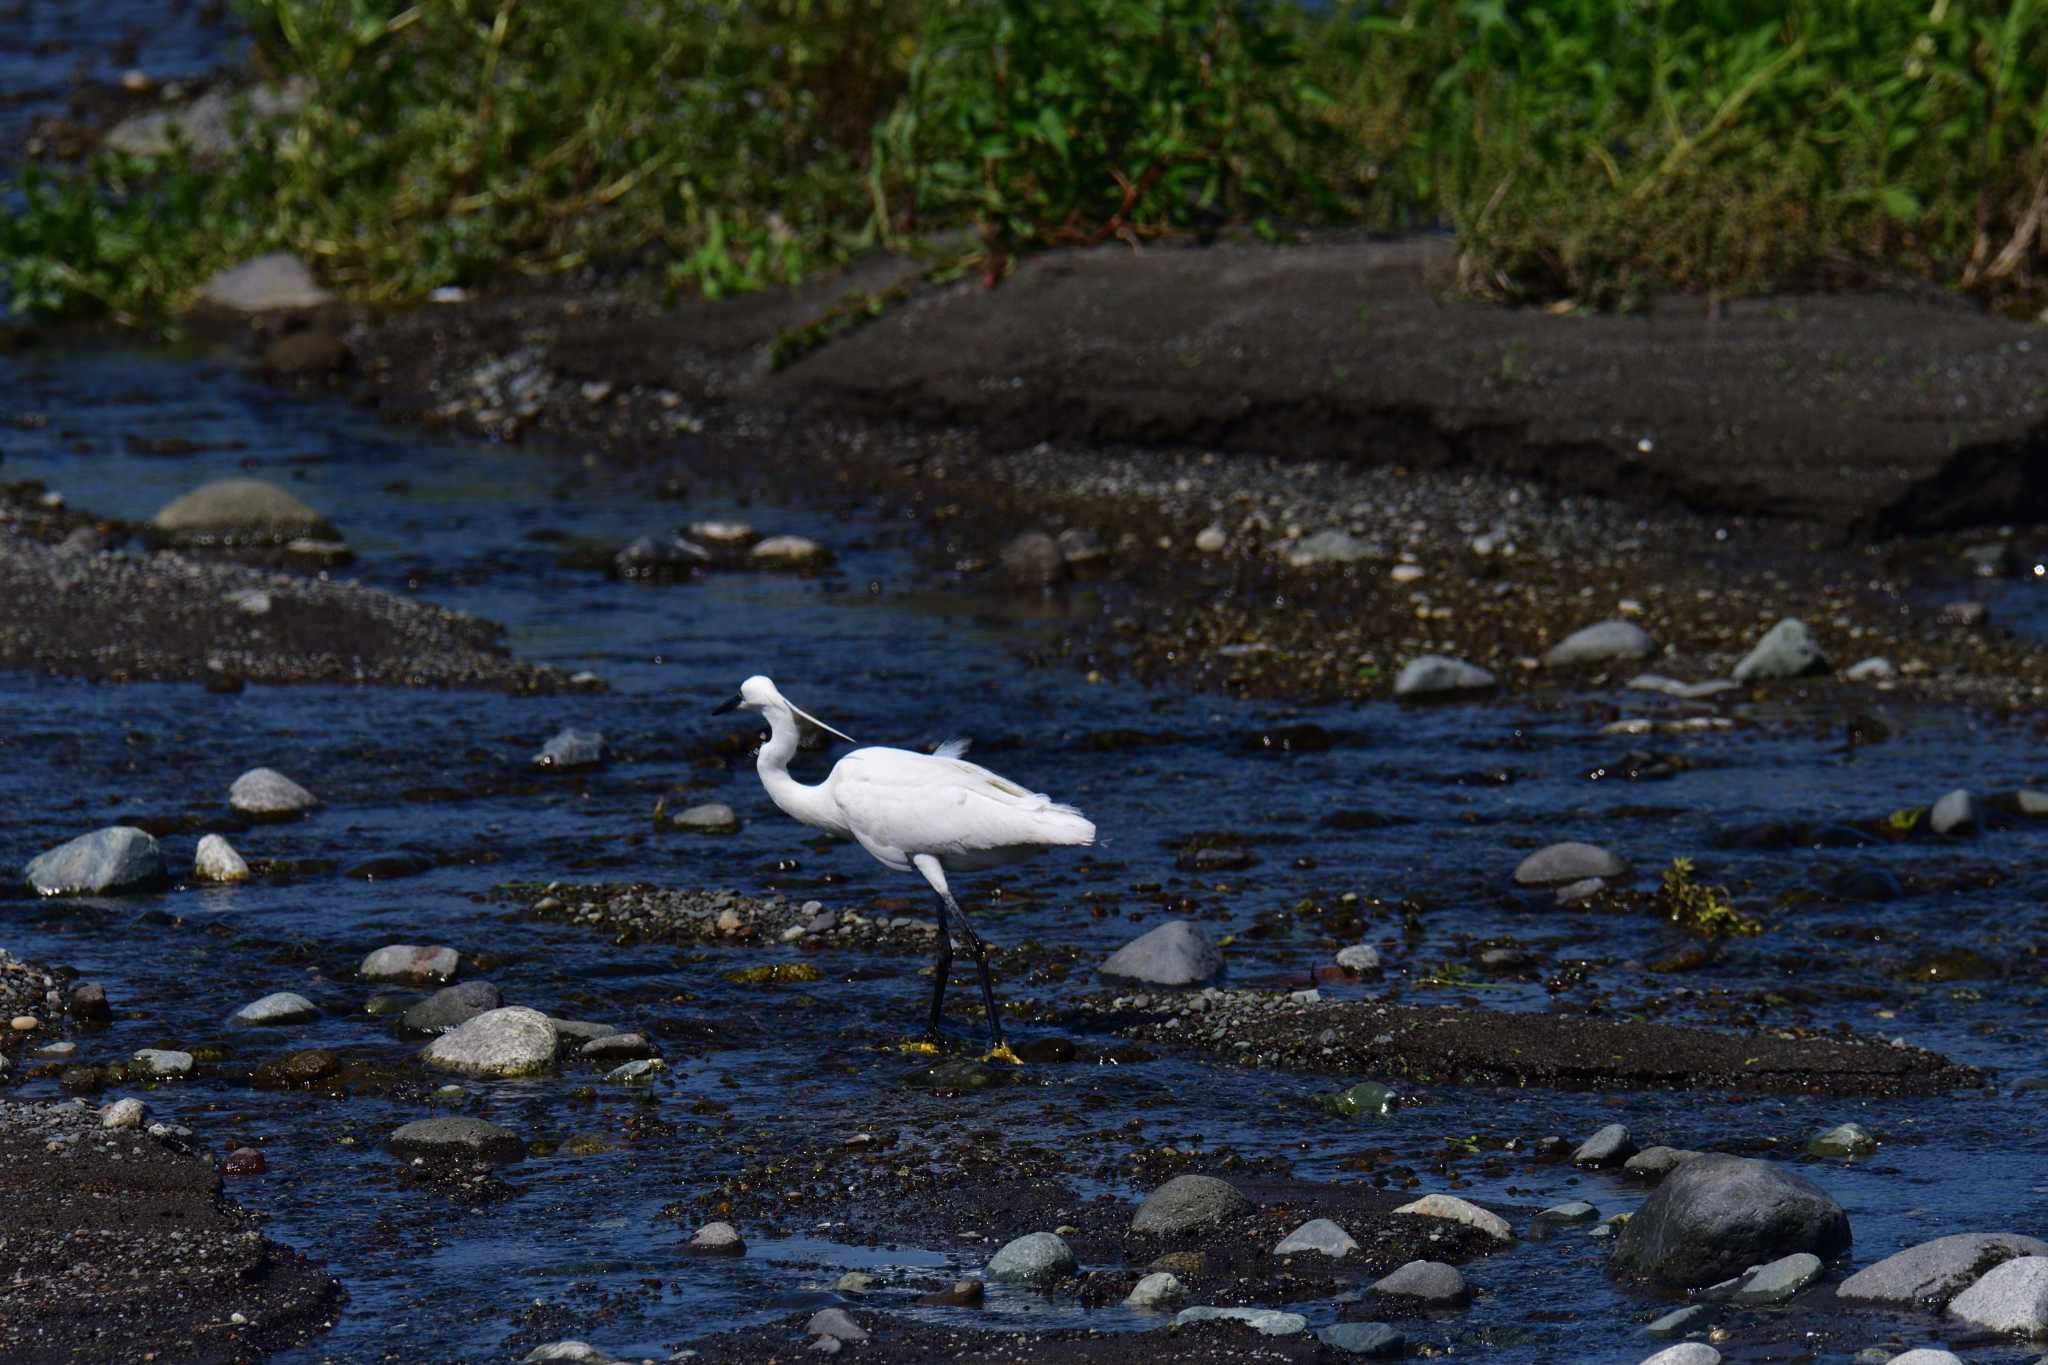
(811,805)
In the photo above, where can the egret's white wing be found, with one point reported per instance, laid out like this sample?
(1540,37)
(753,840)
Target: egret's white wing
(919,803)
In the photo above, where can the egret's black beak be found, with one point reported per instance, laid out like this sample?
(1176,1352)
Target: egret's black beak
(731,703)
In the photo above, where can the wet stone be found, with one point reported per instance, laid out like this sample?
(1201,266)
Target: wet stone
(1431,1283)
(277,1009)
(108,861)
(660,559)
(88,1003)
(569,1352)
(1848,1139)
(450,1007)
(718,1239)
(1928,1275)
(1926,1355)
(1265,1321)
(1318,1235)
(1366,1340)
(1874,669)
(1032,1259)
(1602,643)
(616,1047)
(712,817)
(835,1323)
(123,1113)
(640,1072)
(458,1136)
(1678,1322)
(1566,862)
(2010,1298)
(1787,650)
(1778,1280)
(1717,1215)
(266,794)
(1361,958)
(1577,1211)
(1584,889)
(1177,953)
(1189,1201)
(1685,1353)
(512,1041)
(1654,1163)
(1031,560)
(1434,675)
(156,1061)
(571,748)
(1367,1099)
(787,552)
(1610,1146)
(1955,813)
(1157,1290)
(215,860)
(1456,1210)
(410,964)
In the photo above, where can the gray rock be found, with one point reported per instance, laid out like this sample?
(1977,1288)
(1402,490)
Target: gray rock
(571,748)
(105,862)
(458,1137)
(123,1113)
(1602,643)
(1679,1321)
(1715,1216)
(1846,1139)
(1778,1280)
(1177,953)
(266,794)
(2010,1298)
(1673,687)
(1787,650)
(1925,1355)
(1876,668)
(1158,1290)
(1654,1163)
(451,1006)
(410,963)
(1584,889)
(568,1350)
(215,860)
(1609,1147)
(854,1282)
(1576,1211)
(787,552)
(278,280)
(1189,1201)
(1571,861)
(1954,813)
(1433,1283)
(621,1047)
(663,558)
(158,1061)
(1266,1321)
(1318,1234)
(2032,804)
(1362,958)
(1370,1340)
(1437,675)
(1329,547)
(641,1072)
(574,1033)
(1032,560)
(1032,1259)
(1685,1353)
(1457,1210)
(277,1009)
(512,1041)
(712,817)
(837,1324)
(1928,1275)
(240,505)
(718,1239)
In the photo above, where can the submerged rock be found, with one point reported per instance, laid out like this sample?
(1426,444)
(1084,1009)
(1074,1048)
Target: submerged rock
(1367,1340)
(1954,813)
(240,508)
(1177,953)
(711,817)
(105,862)
(1189,1201)
(1716,1215)
(1778,1280)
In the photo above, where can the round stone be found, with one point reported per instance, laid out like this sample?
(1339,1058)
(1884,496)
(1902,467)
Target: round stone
(712,817)
(1189,1201)
(1432,1283)
(215,860)
(718,1239)
(106,862)
(1564,863)
(275,1009)
(1602,643)
(1032,1259)
(787,552)
(1436,675)
(1716,1215)
(410,963)
(266,794)
(240,504)
(512,1041)
(124,1113)
(1157,1290)
(1177,953)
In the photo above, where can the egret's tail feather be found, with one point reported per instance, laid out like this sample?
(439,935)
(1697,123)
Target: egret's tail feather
(1072,829)
(955,747)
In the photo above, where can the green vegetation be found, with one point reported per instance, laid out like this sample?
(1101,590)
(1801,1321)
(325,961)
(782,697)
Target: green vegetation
(1590,149)
(1703,910)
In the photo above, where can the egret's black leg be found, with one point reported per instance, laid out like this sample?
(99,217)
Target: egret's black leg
(945,965)
(980,951)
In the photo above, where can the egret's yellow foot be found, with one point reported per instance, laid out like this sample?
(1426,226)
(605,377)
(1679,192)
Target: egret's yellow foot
(1002,1053)
(923,1047)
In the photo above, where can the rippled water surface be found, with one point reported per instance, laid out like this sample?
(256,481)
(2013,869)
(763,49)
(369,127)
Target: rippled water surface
(890,649)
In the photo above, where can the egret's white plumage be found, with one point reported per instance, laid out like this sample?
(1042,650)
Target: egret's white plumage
(932,813)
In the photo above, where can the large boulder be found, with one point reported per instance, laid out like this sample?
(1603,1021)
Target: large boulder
(1928,1275)
(1177,953)
(102,863)
(2010,1299)
(1716,1215)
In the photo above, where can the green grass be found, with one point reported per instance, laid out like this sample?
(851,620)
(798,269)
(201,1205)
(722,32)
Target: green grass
(1600,151)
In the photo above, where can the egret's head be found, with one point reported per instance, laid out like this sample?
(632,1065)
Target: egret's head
(759,694)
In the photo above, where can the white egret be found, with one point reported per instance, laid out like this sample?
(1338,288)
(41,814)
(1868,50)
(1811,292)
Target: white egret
(934,813)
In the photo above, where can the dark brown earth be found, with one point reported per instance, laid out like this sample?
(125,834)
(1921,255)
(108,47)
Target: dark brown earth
(161,615)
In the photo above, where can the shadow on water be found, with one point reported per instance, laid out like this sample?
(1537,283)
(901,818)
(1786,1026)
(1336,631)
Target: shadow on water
(1419,815)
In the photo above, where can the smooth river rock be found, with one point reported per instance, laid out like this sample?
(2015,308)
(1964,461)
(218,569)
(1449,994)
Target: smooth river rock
(1602,643)
(227,506)
(1318,1234)
(1189,1201)
(266,794)
(277,1009)
(1456,1210)
(1157,1290)
(1716,1215)
(1685,1353)
(1928,1275)
(460,1137)
(512,1041)
(1032,1259)
(1954,813)
(1609,1147)
(105,862)
(276,280)
(2011,1298)
(451,1007)
(215,860)
(1571,861)
(1432,1283)
(1177,953)
(1778,1280)
(1365,1340)
(1434,675)
(410,963)
(1787,650)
